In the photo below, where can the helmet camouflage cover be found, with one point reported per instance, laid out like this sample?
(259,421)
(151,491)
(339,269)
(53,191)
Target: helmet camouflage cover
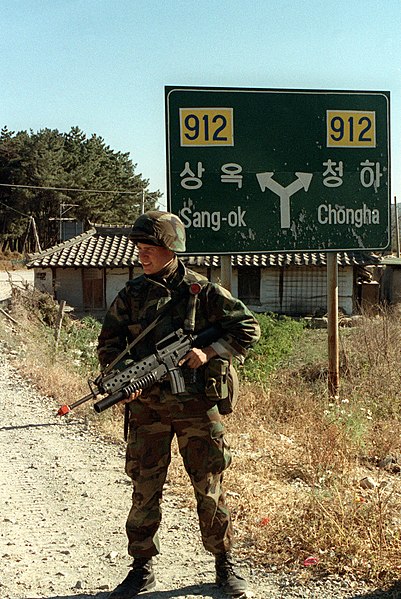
(159,228)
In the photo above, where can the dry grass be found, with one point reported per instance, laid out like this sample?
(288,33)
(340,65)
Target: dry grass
(298,457)
(47,367)
(34,347)
(11,260)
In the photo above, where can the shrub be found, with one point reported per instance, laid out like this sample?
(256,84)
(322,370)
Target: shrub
(278,337)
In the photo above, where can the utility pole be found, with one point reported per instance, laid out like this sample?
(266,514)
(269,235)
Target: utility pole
(143,202)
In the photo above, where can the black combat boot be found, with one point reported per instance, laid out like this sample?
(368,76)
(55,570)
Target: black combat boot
(140,578)
(232,583)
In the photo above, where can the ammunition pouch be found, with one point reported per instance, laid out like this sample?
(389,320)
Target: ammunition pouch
(221,384)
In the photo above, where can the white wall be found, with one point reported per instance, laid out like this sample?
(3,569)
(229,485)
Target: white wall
(68,286)
(116,279)
(304,290)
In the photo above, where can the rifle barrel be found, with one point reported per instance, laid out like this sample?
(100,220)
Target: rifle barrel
(63,410)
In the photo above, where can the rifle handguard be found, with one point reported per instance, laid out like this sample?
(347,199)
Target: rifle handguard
(143,383)
(109,401)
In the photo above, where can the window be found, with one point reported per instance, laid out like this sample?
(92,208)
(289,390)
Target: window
(249,284)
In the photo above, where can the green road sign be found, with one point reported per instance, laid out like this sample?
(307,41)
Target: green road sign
(279,170)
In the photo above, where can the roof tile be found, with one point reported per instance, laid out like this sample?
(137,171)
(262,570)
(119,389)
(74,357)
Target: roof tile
(111,247)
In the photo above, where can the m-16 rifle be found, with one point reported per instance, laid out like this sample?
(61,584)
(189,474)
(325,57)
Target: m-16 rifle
(162,364)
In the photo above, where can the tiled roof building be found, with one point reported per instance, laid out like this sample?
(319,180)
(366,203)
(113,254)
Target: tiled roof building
(110,247)
(89,269)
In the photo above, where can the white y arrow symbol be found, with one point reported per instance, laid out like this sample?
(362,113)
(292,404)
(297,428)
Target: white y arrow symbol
(301,182)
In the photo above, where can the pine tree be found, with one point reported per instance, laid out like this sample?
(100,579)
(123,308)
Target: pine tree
(48,159)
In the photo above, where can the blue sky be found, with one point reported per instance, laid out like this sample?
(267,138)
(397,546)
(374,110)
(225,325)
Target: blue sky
(102,64)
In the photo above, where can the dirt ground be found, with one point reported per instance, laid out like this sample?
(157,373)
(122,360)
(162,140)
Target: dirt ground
(64,498)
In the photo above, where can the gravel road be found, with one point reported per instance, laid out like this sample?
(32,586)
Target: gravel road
(64,498)
(18,278)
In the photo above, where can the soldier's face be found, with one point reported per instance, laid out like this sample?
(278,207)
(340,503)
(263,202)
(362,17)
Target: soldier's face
(153,258)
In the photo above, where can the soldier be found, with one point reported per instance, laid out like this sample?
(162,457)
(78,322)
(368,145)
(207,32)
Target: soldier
(174,297)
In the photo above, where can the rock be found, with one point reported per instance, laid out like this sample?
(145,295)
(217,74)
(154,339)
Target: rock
(112,556)
(367,483)
(389,459)
(78,585)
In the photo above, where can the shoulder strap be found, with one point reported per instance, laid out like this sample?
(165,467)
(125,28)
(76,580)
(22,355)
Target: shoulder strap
(160,314)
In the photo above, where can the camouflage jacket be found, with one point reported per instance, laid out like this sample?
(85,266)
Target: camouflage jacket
(135,307)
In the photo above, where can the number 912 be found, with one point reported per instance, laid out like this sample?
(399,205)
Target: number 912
(351,128)
(206,127)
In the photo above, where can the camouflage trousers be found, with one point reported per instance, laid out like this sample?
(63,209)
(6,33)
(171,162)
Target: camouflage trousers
(199,430)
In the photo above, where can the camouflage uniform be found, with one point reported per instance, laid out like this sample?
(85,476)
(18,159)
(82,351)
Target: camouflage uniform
(158,415)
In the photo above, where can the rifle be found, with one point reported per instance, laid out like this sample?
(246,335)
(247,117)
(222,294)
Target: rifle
(164,362)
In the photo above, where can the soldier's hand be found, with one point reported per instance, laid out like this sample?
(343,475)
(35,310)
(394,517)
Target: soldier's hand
(132,397)
(197,357)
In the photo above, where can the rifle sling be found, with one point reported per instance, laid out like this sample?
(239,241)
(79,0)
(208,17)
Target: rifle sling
(159,315)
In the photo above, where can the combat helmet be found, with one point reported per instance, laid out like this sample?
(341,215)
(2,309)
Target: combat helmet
(159,228)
